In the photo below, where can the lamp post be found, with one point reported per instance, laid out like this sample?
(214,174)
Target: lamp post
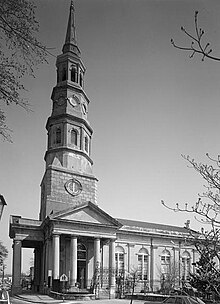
(2,204)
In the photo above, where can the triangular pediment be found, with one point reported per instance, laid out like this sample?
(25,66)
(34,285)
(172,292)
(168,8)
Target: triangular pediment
(86,213)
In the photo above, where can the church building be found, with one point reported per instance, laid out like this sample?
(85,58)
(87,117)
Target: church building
(74,240)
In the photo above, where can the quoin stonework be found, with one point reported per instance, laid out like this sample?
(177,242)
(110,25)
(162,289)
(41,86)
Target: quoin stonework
(75,241)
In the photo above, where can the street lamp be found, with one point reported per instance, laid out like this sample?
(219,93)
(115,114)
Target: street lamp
(2,204)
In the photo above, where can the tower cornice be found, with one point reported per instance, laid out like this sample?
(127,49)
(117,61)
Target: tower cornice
(67,118)
(66,149)
(60,169)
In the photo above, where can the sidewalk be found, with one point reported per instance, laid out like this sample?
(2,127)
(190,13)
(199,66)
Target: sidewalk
(45,299)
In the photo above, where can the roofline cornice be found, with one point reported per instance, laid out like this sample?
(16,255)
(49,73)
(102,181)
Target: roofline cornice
(69,119)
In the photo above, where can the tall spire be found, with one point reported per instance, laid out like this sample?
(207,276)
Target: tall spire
(70,41)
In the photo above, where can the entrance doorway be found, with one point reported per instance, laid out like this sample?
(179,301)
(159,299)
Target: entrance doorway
(81,265)
(81,271)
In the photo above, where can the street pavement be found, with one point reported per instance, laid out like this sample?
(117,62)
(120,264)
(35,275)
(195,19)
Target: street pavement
(45,299)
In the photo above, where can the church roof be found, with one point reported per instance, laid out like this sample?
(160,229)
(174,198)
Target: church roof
(154,227)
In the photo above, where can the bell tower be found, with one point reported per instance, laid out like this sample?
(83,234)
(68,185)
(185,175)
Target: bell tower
(68,180)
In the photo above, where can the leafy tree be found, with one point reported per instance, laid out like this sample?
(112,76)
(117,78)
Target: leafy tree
(3,253)
(206,278)
(20,52)
(197,45)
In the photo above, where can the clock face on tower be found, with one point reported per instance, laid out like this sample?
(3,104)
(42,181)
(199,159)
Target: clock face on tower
(74,100)
(73,187)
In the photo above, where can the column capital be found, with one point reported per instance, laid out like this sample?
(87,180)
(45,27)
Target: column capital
(56,234)
(72,236)
(16,242)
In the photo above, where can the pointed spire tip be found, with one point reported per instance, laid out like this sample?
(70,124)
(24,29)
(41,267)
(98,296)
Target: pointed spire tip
(70,41)
(72,6)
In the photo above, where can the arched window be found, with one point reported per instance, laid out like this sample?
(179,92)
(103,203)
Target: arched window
(81,252)
(165,262)
(86,144)
(74,75)
(64,74)
(58,135)
(143,264)
(185,265)
(119,260)
(73,138)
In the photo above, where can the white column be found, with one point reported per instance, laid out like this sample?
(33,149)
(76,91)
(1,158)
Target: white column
(56,256)
(179,263)
(174,265)
(73,262)
(16,270)
(97,255)
(129,257)
(112,269)
(151,266)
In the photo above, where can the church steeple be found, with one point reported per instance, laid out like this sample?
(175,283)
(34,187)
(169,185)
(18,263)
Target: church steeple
(70,41)
(69,179)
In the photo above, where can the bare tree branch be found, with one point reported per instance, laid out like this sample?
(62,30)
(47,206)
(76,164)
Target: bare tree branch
(197,46)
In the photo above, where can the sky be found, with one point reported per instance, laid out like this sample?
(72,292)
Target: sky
(150,103)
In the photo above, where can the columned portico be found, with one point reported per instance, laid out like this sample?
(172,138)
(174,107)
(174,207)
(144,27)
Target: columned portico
(73,263)
(56,257)
(16,270)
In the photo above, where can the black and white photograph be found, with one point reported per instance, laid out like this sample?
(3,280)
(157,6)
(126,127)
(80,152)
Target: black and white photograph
(110,151)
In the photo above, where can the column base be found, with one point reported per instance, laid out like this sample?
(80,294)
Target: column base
(73,289)
(56,285)
(16,290)
(112,292)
